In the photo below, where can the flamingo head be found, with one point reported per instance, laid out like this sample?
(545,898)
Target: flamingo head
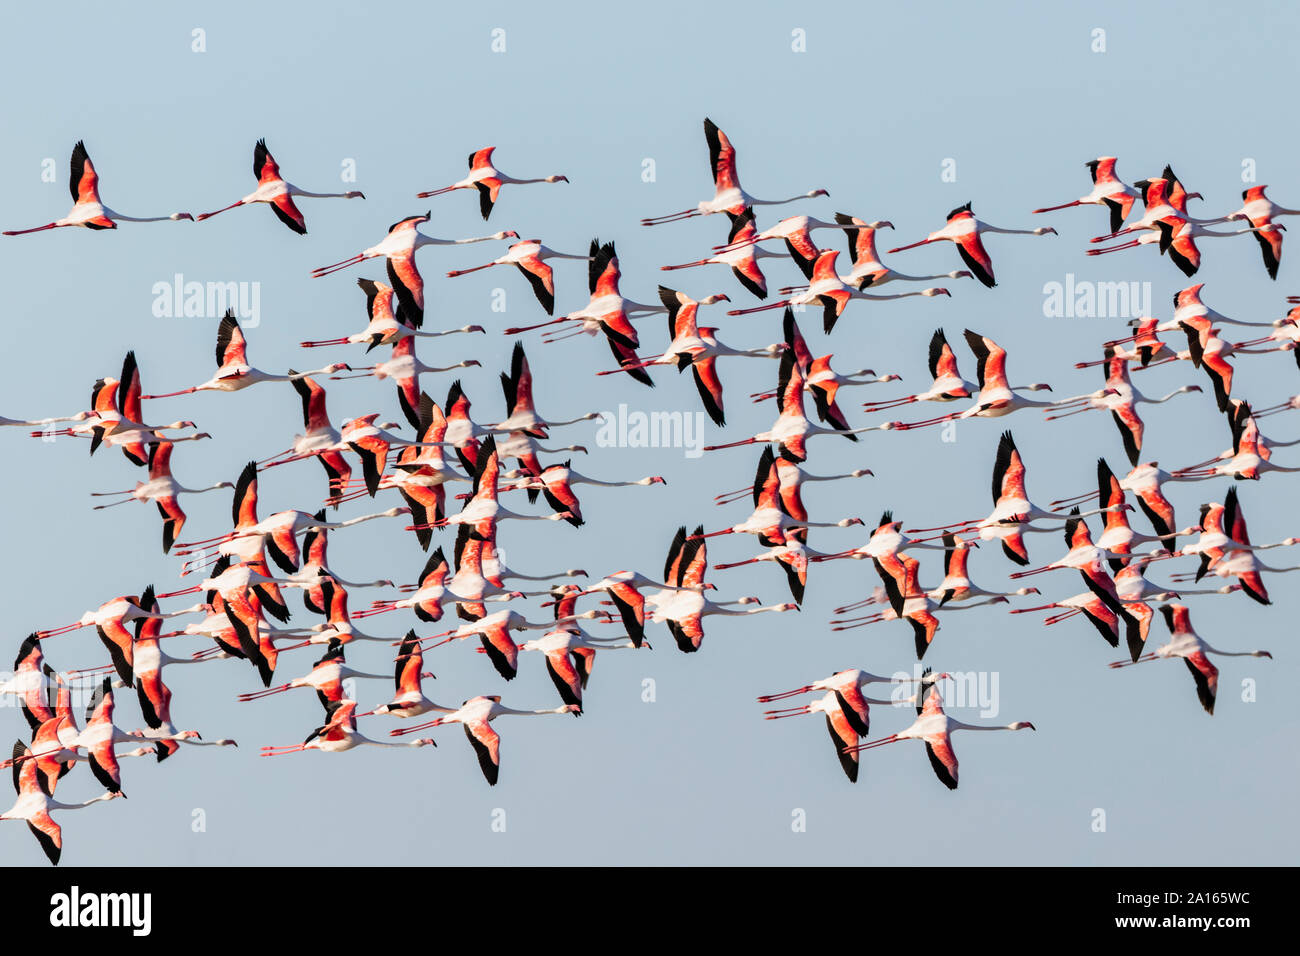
(1023,725)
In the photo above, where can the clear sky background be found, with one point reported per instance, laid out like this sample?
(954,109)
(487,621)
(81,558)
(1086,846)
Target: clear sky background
(881,97)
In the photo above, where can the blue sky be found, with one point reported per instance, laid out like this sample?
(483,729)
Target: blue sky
(871,111)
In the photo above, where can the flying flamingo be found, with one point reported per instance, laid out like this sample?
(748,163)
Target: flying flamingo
(399,247)
(867,269)
(697,347)
(319,440)
(792,429)
(996,396)
(1184,642)
(556,485)
(482,512)
(521,411)
(87,210)
(570,655)
(35,803)
(110,620)
(1121,399)
(947,383)
(1260,211)
(405,369)
(683,605)
(339,733)
(326,678)
(1177,237)
(163,490)
(964,231)
(1013,515)
(476,715)
(1107,190)
(935,729)
(728,196)
(738,255)
(493,631)
(606,311)
(233,371)
(529,257)
(828,289)
(841,720)
(408,696)
(28,681)
(385,327)
(278,193)
(956,584)
(796,233)
(791,477)
(488,180)
(822,381)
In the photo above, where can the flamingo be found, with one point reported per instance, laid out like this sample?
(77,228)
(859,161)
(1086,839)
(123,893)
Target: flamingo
(606,311)
(556,484)
(909,602)
(996,397)
(408,696)
(770,517)
(792,555)
(792,478)
(1260,211)
(842,721)
(965,231)
(867,269)
(829,290)
(233,371)
(385,327)
(683,605)
(339,733)
(116,415)
(792,429)
(405,369)
(935,729)
(570,655)
(1249,458)
(728,196)
(956,584)
(822,381)
(1107,190)
(87,210)
(1164,199)
(1177,236)
(947,383)
(493,631)
(421,471)
(521,411)
(796,233)
(398,248)
(488,180)
(278,193)
(529,257)
(482,512)
(319,440)
(28,681)
(1121,399)
(110,620)
(162,489)
(326,678)
(697,347)
(34,804)
(1184,642)
(476,716)
(738,255)
(1013,515)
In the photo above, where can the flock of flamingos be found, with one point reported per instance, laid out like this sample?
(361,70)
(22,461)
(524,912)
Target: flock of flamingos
(241,608)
